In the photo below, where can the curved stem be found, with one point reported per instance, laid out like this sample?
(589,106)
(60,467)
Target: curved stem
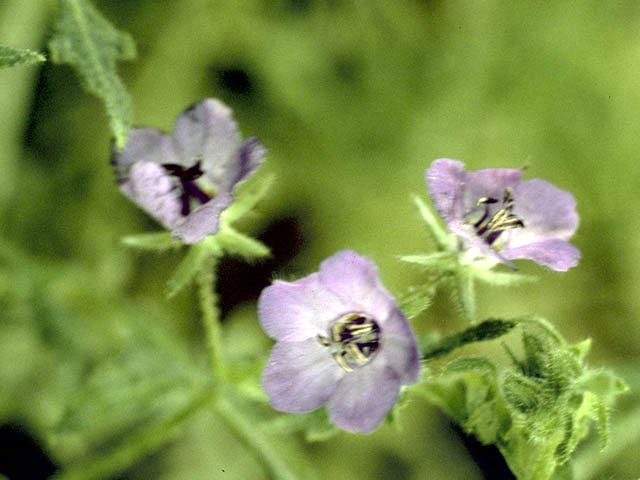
(206,280)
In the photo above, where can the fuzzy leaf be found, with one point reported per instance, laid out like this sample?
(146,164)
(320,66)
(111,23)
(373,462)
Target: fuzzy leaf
(537,411)
(85,40)
(151,241)
(15,56)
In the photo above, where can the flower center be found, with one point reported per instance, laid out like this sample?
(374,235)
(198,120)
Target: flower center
(354,338)
(490,226)
(190,189)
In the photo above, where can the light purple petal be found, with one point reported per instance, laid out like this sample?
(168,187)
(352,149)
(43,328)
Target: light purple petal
(556,254)
(297,311)
(202,221)
(157,193)
(547,212)
(364,397)
(490,182)
(399,348)
(355,280)
(444,179)
(207,131)
(143,145)
(300,376)
(249,157)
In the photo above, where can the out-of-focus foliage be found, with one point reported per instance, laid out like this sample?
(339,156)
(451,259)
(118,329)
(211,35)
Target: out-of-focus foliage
(15,56)
(84,39)
(353,99)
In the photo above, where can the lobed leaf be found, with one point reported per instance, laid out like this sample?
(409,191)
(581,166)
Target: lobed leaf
(84,39)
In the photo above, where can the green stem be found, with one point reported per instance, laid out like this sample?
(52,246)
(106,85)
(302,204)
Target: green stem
(464,285)
(206,280)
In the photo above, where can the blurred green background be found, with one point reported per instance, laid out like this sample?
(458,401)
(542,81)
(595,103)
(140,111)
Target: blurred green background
(354,99)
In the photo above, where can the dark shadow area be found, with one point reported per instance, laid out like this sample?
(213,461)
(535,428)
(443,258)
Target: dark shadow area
(487,457)
(21,457)
(242,282)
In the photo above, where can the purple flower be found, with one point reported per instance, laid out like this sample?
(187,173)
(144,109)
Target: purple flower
(341,341)
(500,217)
(185,180)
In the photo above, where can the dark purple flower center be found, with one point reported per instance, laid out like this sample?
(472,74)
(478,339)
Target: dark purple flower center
(355,339)
(190,189)
(493,222)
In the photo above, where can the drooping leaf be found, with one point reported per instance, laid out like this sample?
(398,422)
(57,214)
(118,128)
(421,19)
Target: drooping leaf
(16,56)
(85,40)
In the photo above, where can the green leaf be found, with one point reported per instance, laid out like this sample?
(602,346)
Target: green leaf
(247,197)
(486,330)
(236,243)
(440,236)
(535,412)
(151,241)
(192,263)
(84,39)
(15,56)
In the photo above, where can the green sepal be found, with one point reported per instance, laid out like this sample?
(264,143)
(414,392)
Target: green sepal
(247,197)
(192,263)
(502,279)
(236,243)
(84,39)
(445,262)
(16,56)
(157,241)
(443,239)
(417,300)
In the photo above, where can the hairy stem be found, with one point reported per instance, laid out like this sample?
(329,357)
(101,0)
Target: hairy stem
(206,280)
